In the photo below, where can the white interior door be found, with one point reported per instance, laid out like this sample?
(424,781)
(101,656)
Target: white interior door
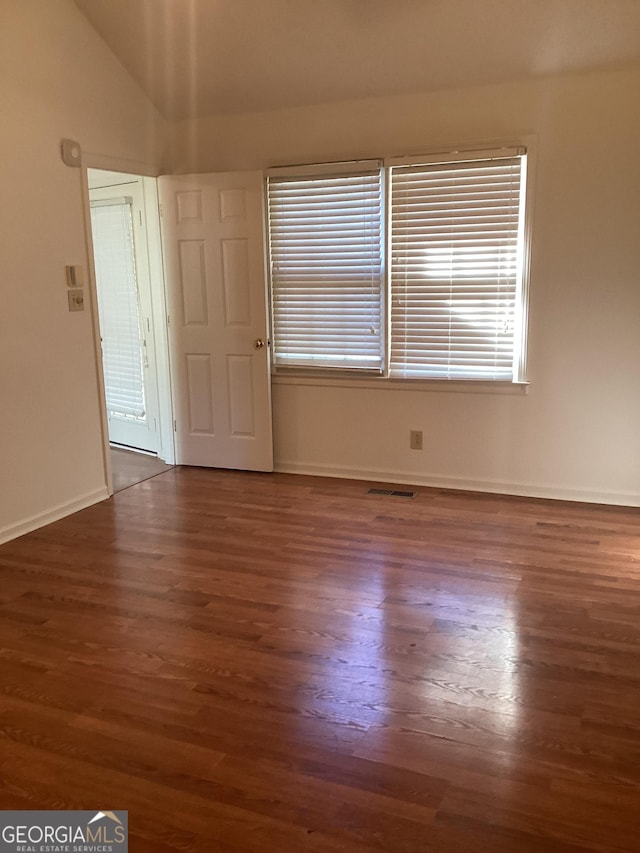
(216,289)
(124,308)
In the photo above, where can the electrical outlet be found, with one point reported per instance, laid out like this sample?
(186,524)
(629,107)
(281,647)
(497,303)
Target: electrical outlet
(415,439)
(76,299)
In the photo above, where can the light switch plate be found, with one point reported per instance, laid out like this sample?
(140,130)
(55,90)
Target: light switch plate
(75,275)
(76,299)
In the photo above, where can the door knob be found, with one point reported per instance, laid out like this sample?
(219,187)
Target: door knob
(259,344)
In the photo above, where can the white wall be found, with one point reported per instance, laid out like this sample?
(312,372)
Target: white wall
(57,79)
(577,433)
(574,435)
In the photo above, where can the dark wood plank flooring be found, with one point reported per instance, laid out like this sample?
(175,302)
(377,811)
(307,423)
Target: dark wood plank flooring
(129,467)
(253,662)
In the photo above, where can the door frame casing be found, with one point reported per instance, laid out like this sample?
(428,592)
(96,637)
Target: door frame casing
(156,268)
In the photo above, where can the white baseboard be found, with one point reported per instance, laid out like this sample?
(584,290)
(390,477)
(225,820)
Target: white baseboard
(53,514)
(411,478)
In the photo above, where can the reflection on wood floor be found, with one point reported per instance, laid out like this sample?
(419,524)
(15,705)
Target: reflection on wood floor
(129,467)
(254,662)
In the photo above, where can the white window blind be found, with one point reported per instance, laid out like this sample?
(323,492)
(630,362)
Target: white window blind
(326,269)
(456,238)
(112,230)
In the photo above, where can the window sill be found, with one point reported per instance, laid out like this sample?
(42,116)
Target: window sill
(445,386)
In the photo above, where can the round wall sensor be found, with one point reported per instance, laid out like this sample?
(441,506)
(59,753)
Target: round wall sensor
(71,152)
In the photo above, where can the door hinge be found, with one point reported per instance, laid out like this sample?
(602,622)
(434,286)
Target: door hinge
(175,426)
(161,209)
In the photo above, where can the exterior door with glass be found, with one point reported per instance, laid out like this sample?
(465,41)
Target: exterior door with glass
(124,308)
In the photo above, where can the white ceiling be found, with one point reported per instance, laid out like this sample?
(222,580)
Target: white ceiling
(206,57)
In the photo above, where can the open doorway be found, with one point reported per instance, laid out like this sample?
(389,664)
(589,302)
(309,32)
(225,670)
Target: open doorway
(130,293)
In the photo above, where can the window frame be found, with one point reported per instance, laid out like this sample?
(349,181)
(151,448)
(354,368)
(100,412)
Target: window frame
(341,377)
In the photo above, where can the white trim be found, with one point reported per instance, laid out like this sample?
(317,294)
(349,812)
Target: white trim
(385,383)
(92,292)
(166,434)
(51,515)
(530,165)
(93,160)
(496,487)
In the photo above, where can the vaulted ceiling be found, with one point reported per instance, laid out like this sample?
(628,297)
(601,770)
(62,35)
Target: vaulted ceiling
(206,57)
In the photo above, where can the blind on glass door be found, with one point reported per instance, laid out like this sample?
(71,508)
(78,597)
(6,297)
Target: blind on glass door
(455,268)
(326,270)
(112,231)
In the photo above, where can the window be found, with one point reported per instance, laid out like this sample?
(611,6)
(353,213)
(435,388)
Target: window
(118,309)
(454,296)
(455,267)
(326,268)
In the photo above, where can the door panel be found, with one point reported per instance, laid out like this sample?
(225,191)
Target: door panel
(193,282)
(214,260)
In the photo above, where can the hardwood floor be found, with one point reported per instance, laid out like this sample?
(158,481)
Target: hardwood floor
(253,662)
(129,467)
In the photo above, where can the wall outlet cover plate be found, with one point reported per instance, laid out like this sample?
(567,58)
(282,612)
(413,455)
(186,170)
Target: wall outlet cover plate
(76,299)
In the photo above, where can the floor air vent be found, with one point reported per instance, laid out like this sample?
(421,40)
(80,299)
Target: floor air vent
(396,493)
